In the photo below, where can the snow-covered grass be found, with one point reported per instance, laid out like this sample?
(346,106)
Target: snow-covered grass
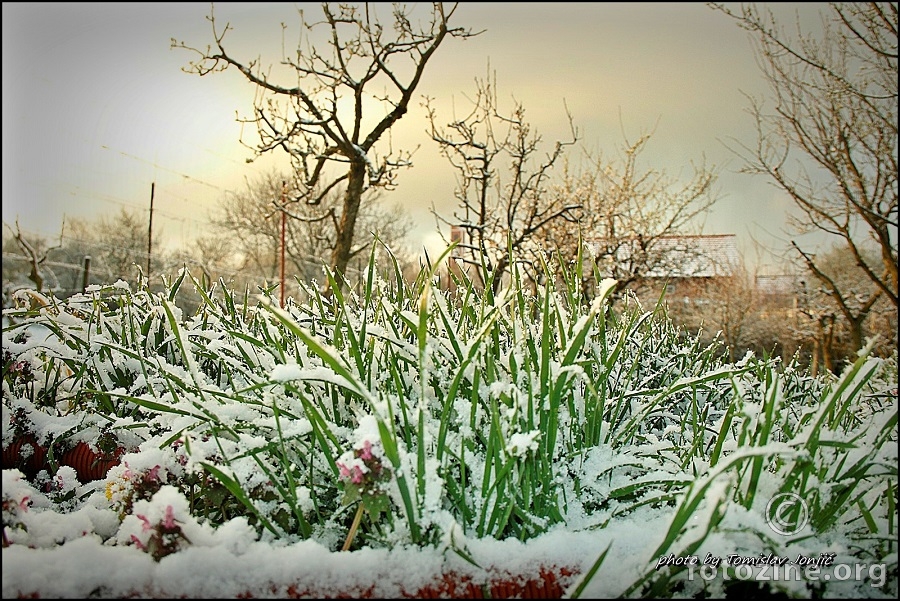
(421,428)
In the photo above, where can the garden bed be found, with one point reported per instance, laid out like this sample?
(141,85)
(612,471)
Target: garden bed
(411,442)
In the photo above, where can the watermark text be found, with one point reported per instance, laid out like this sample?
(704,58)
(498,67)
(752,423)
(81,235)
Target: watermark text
(771,567)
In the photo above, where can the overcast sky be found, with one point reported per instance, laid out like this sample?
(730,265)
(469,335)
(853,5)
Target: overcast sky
(96,107)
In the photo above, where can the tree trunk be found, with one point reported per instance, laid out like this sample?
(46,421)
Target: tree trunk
(814,361)
(856,331)
(498,274)
(340,256)
(826,336)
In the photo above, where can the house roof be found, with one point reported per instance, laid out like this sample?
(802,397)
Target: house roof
(700,256)
(778,284)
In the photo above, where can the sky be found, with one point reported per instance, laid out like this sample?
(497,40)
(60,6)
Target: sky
(96,107)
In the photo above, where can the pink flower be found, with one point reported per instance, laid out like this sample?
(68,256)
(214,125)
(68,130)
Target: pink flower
(146,525)
(169,520)
(153,474)
(366,452)
(354,474)
(137,543)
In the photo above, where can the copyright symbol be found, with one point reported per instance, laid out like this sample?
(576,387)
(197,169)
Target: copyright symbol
(787,513)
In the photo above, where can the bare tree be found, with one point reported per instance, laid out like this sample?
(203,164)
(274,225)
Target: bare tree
(117,245)
(633,221)
(830,141)
(122,244)
(844,290)
(502,185)
(250,220)
(215,254)
(36,253)
(317,115)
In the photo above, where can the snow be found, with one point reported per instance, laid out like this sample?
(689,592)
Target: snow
(521,443)
(229,561)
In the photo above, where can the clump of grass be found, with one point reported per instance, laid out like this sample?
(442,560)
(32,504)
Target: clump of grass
(831,442)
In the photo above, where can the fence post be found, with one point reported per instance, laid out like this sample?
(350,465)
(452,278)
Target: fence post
(87,271)
(283,224)
(150,229)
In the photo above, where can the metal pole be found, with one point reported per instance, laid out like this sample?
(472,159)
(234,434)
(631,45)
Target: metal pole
(283,223)
(150,229)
